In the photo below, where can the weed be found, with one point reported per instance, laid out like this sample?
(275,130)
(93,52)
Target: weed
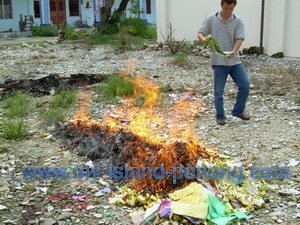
(39,103)
(123,38)
(166,88)
(151,32)
(172,44)
(54,116)
(71,33)
(139,101)
(297,99)
(138,27)
(46,31)
(115,86)
(4,149)
(13,129)
(64,99)
(16,105)
(180,59)
(43,44)
(99,38)
(278,55)
(127,34)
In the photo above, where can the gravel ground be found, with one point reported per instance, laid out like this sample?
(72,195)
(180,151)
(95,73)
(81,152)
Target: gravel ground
(270,138)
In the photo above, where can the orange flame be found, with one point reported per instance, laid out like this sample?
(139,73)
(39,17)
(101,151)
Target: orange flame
(170,128)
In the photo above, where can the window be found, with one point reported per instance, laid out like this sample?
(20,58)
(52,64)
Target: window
(148,6)
(74,7)
(5,9)
(36,7)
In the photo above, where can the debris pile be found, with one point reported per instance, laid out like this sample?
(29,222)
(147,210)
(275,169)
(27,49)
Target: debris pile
(161,135)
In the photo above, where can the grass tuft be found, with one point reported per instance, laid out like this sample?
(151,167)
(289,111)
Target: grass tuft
(139,101)
(54,116)
(13,129)
(297,100)
(115,86)
(17,105)
(166,88)
(64,99)
(180,59)
(4,149)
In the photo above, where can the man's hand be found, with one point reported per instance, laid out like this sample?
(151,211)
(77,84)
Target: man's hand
(231,54)
(202,37)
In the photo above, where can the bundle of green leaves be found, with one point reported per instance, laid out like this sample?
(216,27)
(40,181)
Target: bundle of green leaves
(212,44)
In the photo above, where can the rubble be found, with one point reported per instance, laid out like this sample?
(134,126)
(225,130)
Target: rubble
(270,139)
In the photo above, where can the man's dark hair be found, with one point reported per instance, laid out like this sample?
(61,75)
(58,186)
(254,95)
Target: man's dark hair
(228,2)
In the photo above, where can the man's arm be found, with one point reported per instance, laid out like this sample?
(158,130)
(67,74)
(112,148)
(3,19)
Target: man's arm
(236,47)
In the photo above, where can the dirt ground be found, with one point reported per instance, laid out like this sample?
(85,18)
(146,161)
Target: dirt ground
(269,139)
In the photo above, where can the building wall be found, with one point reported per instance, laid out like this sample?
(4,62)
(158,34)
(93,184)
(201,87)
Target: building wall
(26,8)
(274,26)
(18,7)
(151,18)
(71,19)
(87,14)
(280,31)
(292,32)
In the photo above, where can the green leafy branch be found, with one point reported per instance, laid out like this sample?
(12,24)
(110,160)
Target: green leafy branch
(212,44)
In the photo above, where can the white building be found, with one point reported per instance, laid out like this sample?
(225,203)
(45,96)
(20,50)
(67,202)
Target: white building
(58,12)
(45,12)
(280,32)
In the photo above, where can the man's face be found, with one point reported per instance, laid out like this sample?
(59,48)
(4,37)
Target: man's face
(227,9)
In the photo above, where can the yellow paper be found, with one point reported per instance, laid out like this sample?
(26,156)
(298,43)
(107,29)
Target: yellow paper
(190,201)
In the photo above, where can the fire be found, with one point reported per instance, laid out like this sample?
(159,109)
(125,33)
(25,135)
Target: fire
(164,133)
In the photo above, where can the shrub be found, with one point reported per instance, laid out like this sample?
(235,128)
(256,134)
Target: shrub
(71,34)
(151,33)
(278,55)
(44,31)
(172,44)
(135,26)
(108,29)
(124,35)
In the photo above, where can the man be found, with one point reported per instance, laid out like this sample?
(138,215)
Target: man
(228,30)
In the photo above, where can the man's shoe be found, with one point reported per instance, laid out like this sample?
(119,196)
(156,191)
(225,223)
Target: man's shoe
(221,121)
(243,116)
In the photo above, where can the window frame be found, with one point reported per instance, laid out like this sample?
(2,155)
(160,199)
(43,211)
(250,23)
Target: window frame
(148,6)
(37,14)
(77,12)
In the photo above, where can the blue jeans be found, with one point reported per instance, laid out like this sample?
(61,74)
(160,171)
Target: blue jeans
(241,79)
